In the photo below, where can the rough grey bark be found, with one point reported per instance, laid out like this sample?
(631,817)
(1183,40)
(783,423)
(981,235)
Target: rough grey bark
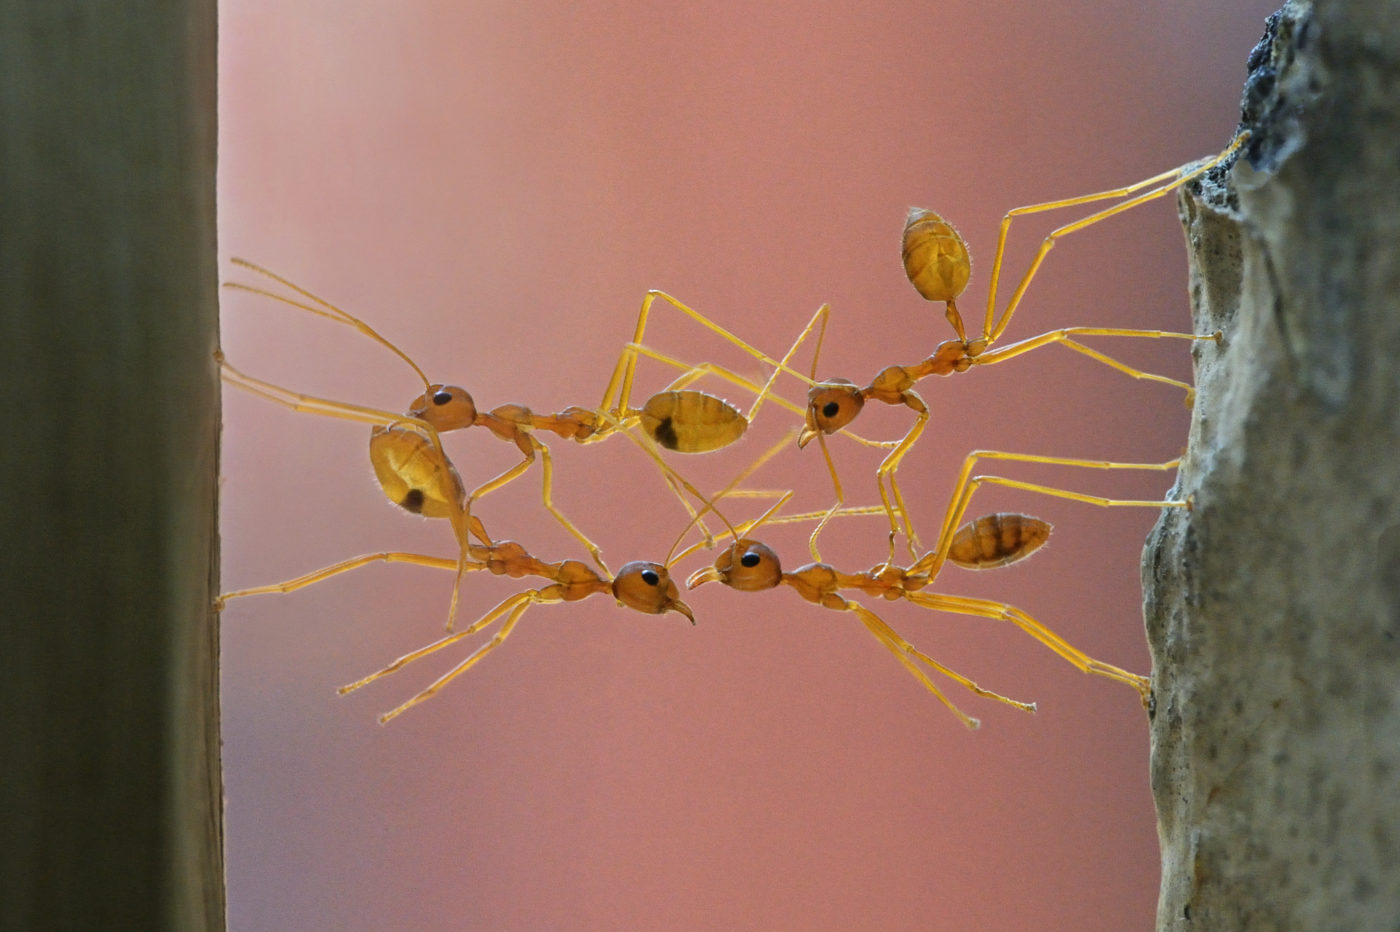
(1273,607)
(110,802)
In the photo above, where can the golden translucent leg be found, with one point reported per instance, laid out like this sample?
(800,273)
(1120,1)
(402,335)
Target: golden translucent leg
(932,563)
(732,490)
(619,391)
(836,480)
(335,569)
(886,472)
(461,565)
(835,506)
(821,315)
(1064,338)
(516,605)
(322,308)
(907,654)
(462,524)
(1000,611)
(546,494)
(309,404)
(1178,176)
(693,373)
(646,445)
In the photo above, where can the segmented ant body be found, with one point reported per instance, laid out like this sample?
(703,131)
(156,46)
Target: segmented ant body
(678,418)
(938,265)
(642,586)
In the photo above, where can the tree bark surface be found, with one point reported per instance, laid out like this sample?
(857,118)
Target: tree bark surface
(1273,606)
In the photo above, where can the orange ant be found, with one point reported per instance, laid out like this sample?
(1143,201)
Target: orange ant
(417,474)
(643,586)
(640,585)
(679,419)
(990,541)
(937,263)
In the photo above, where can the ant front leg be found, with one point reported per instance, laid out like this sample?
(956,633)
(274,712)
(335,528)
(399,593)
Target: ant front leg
(1000,611)
(1064,337)
(886,471)
(910,656)
(516,605)
(505,422)
(335,569)
(1166,183)
(617,396)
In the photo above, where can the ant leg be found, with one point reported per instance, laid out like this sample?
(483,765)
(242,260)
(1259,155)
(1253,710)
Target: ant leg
(906,653)
(1064,336)
(887,469)
(931,563)
(822,314)
(307,404)
(530,446)
(836,505)
(496,641)
(335,569)
(547,467)
(310,404)
(732,490)
(1000,611)
(619,390)
(322,308)
(515,605)
(1177,176)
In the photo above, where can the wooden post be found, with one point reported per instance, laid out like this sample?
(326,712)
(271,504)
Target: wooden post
(110,795)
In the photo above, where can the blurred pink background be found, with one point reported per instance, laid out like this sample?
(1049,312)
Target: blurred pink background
(495,186)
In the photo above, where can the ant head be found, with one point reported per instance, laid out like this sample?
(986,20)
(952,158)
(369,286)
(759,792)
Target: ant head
(446,407)
(414,473)
(648,587)
(831,405)
(935,256)
(746,565)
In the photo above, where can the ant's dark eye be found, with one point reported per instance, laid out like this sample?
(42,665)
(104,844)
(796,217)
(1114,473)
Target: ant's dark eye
(830,409)
(750,559)
(442,398)
(650,578)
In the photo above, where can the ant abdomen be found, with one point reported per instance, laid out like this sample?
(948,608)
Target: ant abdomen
(997,540)
(413,473)
(689,421)
(935,256)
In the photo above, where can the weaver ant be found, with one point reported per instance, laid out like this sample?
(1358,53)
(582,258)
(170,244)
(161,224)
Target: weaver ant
(938,265)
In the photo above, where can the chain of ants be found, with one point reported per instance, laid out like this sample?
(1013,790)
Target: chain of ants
(417,475)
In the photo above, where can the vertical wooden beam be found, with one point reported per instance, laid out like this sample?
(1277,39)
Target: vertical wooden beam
(110,795)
